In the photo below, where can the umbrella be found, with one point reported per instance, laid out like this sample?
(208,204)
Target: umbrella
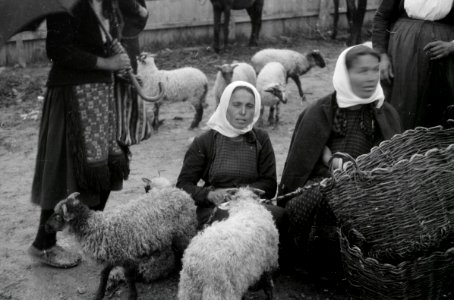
(21,15)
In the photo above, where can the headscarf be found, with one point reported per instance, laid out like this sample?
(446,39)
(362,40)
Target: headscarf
(429,10)
(344,94)
(218,120)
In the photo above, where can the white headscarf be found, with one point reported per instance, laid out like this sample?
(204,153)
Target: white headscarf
(344,94)
(430,10)
(218,120)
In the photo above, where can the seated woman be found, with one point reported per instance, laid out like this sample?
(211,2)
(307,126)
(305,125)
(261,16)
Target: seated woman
(352,120)
(231,154)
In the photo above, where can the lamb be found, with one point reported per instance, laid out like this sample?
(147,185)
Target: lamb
(228,257)
(271,84)
(236,71)
(183,84)
(295,63)
(135,236)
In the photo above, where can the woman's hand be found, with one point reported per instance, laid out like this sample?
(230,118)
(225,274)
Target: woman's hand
(114,63)
(439,49)
(219,196)
(386,69)
(326,156)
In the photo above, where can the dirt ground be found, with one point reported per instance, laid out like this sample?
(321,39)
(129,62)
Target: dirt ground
(20,105)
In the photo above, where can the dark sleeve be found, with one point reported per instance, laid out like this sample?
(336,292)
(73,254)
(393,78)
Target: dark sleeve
(60,43)
(194,164)
(267,180)
(387,13)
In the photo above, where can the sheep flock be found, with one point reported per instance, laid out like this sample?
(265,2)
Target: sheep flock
(190,84)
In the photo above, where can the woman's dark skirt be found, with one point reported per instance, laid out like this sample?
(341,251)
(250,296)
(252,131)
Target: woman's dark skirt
(422,89)
(55,176)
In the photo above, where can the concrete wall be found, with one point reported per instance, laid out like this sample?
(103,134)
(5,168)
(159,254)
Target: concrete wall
(173,21)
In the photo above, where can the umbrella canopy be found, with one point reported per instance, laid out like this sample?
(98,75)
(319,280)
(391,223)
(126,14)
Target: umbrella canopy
(21,15)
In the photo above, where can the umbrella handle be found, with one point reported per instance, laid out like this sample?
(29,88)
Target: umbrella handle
(133,79)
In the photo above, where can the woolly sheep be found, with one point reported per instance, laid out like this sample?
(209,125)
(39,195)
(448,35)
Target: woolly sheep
(183,84)
(228,257)
(295,63)
(136,235)
(271,84)
(227,73)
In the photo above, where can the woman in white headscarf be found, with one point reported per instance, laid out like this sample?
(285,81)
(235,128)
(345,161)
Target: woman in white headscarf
(415,40)
(351,120)
(231,154)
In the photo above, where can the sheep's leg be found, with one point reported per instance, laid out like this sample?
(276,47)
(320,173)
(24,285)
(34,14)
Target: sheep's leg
(335,19)
(268,285)
(276,121)
(297,81)
(271,115)
(217,12)
(103,282)
(226,27)
(255,13)
(130,274)
(156,122)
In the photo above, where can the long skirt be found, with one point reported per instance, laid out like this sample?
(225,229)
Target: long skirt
(421,89)
(59,169)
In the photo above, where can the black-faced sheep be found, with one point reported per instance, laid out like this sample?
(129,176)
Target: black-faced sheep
(295,63)
(183,84)
(136,235)
(271,84)
(227,73)
(229,256)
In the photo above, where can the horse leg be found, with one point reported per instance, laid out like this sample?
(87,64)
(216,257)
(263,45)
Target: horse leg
(335,19)
(103,282)
(217,12)
(351,13)
(255,13)
(358,21)
(226,27)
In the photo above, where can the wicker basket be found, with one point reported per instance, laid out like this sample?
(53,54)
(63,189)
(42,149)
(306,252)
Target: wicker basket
(402,211)
(403,146)
(425,277)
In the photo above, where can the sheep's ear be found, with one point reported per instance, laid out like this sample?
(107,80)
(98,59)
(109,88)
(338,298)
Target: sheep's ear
(66,215)
(270,89)
(146,180)
(258,192)
(234,65)
(231,191)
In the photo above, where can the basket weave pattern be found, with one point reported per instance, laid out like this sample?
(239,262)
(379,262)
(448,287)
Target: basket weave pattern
(403,210)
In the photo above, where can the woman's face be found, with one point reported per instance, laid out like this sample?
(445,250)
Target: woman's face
(364,75)
(241,109)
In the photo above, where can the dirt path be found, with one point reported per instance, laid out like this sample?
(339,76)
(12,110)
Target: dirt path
(162,154)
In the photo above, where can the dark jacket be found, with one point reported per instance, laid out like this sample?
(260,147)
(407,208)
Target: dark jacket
(200,156)
(312,132)
(387,14)
(73,44)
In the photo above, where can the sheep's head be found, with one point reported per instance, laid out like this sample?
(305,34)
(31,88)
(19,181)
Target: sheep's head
(316,58)
(226,70)
(157,182)
(63,213)
(278,90)
(146,59)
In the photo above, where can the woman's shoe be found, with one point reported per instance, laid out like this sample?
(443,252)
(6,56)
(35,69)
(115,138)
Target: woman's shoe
(56,257)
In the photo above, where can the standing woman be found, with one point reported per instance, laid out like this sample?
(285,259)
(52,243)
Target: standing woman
(415,40)
(77,147)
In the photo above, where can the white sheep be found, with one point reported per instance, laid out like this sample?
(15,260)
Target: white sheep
(271,84)
(183,84)
(295,63)
(227,73)
(136,236)
(229,256)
